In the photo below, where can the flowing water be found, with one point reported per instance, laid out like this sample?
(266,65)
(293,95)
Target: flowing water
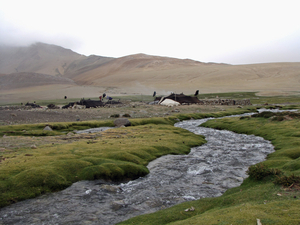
(207,171)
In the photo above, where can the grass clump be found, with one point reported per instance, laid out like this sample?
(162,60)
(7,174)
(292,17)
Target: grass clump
(287,181)
(260,171)
(115,115)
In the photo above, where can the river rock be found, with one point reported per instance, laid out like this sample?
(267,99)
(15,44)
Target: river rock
(109,188)
(48,128)
(122,122)
(116,205)
(70,134)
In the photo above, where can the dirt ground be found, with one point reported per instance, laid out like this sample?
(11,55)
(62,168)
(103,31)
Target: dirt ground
(18,115)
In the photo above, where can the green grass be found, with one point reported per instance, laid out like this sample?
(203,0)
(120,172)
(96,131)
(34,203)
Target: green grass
(58,128)
(254,97)
(254,199)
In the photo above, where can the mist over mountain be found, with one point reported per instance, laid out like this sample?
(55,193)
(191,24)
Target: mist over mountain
(38,58)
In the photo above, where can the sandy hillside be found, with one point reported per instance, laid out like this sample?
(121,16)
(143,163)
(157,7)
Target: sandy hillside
(191,76)
(44,71)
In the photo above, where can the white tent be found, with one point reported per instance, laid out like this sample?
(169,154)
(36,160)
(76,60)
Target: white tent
(169,102)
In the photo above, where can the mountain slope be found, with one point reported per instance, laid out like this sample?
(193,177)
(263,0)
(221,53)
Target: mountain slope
(138,63)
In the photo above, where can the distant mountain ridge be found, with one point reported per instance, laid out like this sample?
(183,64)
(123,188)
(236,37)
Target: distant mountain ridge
(58,61)
(54,60)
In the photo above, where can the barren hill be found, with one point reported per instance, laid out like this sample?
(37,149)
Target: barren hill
(126,66)
(25,69)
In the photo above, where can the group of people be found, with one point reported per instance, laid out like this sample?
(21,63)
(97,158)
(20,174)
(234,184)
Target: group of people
(103,96)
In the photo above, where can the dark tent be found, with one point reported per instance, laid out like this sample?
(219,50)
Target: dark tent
(91,103)
(181,98)
(87,103)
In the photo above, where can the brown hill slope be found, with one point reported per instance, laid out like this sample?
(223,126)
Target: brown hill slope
(138,63)
(149,73)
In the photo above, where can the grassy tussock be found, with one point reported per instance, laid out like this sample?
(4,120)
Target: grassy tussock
(58,128)
(117,154)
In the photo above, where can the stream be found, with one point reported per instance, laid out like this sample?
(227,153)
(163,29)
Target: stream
(207,171)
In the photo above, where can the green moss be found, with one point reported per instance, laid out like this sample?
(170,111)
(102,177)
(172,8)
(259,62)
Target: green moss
(39,177)
(58,128)
(293,165)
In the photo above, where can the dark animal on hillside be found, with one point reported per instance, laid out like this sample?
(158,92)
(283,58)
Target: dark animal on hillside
(52,106)
(33,105)
(91,103)
(197,92)
(71,104)
(87,103)
(154,93)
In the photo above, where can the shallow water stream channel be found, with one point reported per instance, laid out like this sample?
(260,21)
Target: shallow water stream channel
(208,171)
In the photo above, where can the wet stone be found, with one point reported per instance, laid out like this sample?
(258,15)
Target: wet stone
(208,171)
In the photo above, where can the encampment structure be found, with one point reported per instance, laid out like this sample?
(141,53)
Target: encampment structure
(181,98)
(184,99)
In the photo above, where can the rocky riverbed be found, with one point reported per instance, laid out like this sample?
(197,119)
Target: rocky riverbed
(208,171)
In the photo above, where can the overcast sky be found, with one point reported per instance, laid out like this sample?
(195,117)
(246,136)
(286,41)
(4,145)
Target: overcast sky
(222,31)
